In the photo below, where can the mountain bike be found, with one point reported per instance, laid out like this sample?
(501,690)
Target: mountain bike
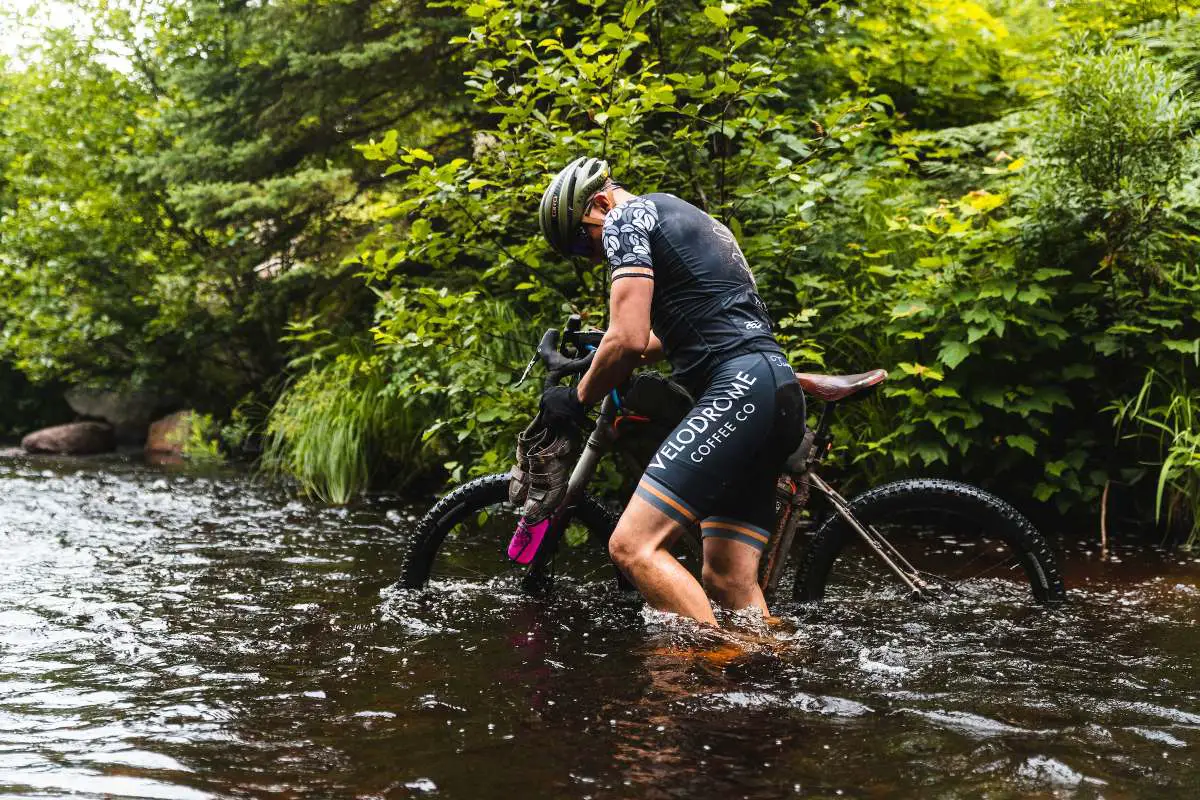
(925,538)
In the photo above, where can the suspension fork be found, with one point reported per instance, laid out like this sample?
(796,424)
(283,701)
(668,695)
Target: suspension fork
(909,575)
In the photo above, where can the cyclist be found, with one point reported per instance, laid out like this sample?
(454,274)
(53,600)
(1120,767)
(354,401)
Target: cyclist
(682,289)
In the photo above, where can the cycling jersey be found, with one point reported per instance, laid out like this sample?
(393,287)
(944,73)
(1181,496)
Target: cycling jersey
(706,308)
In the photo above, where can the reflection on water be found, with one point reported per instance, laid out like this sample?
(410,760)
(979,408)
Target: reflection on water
(165,634)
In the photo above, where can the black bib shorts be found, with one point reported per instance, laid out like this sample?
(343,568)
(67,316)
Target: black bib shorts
(719,467)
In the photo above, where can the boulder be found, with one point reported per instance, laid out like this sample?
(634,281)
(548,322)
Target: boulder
(129,412)
(169,434)
(75,438)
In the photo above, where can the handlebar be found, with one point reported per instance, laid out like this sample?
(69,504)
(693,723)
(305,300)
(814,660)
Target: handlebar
(572,355)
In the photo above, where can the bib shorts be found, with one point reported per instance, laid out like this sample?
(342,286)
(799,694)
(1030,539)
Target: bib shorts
(718,467)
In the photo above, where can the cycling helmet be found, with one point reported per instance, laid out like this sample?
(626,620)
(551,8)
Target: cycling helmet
(561,211)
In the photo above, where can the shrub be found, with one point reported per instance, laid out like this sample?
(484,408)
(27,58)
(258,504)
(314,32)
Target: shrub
(1163,420)
(337,424)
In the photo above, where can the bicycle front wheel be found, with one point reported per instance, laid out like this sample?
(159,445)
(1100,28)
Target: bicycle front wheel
(463,539)
(962,540)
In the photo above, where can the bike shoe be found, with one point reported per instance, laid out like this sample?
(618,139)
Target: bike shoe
(547,476)
(534,437)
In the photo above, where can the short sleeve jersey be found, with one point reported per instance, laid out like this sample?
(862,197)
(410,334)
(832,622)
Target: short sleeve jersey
(706,307)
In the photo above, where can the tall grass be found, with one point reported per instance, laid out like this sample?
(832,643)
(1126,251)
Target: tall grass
(1165,415)
(335,424)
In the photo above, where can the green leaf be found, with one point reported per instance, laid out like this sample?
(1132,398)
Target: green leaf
(1072,371)
(931,453)
(953,353)
(921,371)
(1044,491)
(388,145)
(1190,347)
(717,17)
(1056,468)
(990,395)
(908,308)
(1021,442)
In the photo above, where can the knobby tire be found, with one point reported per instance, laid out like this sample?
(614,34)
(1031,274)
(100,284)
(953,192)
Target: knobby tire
(990,517)
(475,496)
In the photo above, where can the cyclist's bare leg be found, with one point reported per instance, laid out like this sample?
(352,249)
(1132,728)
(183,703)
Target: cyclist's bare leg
(639,547)
(731,574)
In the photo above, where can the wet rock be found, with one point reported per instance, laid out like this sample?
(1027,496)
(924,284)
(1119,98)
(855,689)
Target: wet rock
(168,435)
(75,438)
(128,412)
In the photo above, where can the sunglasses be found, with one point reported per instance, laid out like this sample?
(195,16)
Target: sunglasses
(581,245)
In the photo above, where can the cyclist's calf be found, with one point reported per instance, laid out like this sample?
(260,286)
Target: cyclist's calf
(640,548)
(730,574)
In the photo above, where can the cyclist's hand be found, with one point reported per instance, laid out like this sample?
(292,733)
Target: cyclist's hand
(562,409)
(569,367)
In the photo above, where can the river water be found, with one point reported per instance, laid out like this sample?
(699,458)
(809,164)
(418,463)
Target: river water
(178,635)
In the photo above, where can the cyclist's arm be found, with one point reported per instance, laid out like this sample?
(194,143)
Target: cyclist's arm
(627,339)
(654,350)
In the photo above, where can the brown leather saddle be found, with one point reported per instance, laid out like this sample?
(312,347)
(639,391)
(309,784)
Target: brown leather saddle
(832,388)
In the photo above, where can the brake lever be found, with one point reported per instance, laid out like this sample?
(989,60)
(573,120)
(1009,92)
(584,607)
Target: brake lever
(528,369)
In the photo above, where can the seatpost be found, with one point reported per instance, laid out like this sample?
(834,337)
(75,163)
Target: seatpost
(823,437)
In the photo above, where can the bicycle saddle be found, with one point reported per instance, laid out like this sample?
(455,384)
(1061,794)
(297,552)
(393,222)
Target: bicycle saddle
(838,387)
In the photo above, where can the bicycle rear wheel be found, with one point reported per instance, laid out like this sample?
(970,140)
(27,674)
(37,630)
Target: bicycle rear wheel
(964,540)
(462,541)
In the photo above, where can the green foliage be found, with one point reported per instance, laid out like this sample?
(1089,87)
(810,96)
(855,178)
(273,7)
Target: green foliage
(84,294)
(1164,418)
(997,201)
(463,355)
(337,424)
(1116,123)
(203,442)
(178,184)
(1050,285)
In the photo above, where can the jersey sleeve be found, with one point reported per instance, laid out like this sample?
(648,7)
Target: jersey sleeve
(627,231)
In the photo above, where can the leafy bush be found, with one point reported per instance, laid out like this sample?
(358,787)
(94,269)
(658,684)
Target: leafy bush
(203,442)
(1164,418)
(337,424)
(458,357)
